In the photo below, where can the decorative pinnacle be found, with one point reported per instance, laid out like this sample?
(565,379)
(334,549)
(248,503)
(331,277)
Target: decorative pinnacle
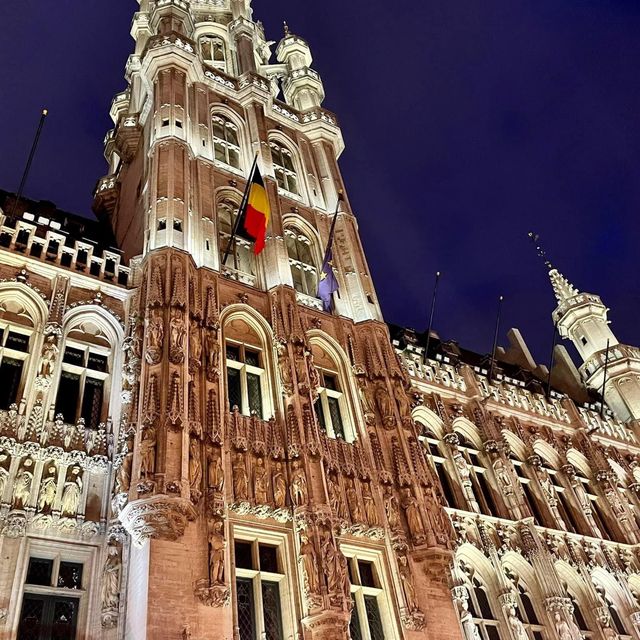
(286,29)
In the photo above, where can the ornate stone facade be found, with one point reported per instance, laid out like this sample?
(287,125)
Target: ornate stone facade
(198,450)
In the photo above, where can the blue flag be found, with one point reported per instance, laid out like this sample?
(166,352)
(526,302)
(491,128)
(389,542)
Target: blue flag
(328,284)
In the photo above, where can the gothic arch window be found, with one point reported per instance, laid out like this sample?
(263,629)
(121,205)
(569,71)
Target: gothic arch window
(247,369)
(480,607)
(527,612)
(241,263)
(284,167)
(85,370)
(599,513)
(302,261)
(478,475)
(527,485)
(226,141)
(213,51)
(579,616)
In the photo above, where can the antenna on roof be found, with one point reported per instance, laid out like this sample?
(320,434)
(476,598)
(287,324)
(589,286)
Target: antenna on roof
(495,338)
(27,169)
(542,254)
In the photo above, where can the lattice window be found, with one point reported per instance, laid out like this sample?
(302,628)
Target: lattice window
(213,51)
(438,461)
(226,141)
(284,168)
(241,256)
(481,485)
(15,343)
(246,379)
(303,268)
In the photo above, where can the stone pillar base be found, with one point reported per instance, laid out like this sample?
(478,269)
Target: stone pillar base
(328,625)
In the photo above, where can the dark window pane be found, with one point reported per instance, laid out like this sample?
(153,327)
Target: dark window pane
(537,635)
(10,375)
(493,634)
(272,614)
(246,623)
(255,393)
(577,614)
(233,388)
(233,352)
(336,417)
(487,505)
(483,603)
(532,618)
(533,503)
(252,357)
(617,622)
(67,398)
(65,612)
(74,356)
(268,558)
(31,618)
(97,362)
(39,571)
(92,402)
(449,494)
(244,559)
(373,616)
(330,382)
(320,413)
(17,342)
(70,575)
(354,623)
(367,578)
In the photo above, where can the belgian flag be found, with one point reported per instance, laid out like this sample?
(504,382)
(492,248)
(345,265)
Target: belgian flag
(255,215)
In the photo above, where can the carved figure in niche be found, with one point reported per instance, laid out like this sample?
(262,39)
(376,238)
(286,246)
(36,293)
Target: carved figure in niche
(365,400)
(260,482)
(195,343)
(370,510)
(566,630)
(335,497)
(352,501)
(4,474)
(285,369)
(195,467)
(216,552)
(279,486)
(461,466)
(331,562)
(614,500)
(215,475)
(581,494)
(385,405)
(71,493)
(111,578)
(407,582)
(123,479)
(309,559)
(22,485)
(314,376)
(517,628)
(503,476)
(546,485)
(404,406)
(299,492)
(212,353)
(344,576)
(609,633)
(301,368)
(155,337)
(410,506)
(47,491)
(50,353)
(468,625)
(148,452)
(176,335)
(240,480)
(391,508)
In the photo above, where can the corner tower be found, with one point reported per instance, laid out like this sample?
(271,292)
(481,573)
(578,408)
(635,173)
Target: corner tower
(268,458)
(582,317)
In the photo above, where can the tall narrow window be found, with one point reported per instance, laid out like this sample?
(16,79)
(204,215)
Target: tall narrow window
(260,583)
(303,268)
(245,379)
(482,611)
(14,351)
(226,141)
(579,617)
(481,486)
(329,405)
(213,51)
(241,262)
(438,461)
(284,168)
(527,613)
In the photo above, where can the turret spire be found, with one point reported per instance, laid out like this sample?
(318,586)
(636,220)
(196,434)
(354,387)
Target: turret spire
(563,289)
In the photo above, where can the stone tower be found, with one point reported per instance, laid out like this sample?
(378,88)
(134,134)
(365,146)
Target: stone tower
(582,317)
(270,477)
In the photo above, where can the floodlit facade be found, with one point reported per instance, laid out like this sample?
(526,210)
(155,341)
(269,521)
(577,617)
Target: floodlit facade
(195,449)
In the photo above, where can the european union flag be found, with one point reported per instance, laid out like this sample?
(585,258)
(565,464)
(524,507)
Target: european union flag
(328,284)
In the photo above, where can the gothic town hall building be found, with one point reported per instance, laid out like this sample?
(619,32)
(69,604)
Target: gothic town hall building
(195,449)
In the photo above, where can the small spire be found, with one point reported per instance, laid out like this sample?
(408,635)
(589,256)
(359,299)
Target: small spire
(561,286)
(286,29)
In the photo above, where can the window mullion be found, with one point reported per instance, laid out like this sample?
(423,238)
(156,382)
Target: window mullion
(244,391)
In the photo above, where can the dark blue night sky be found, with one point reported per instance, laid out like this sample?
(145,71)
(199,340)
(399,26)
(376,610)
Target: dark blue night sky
(467,123)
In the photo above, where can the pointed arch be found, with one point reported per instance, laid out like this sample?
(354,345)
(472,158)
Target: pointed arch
(303,249)
(547,453)
(469,430)
(33,304)
(288,167)
(224,123)
(518,447)
(430,420)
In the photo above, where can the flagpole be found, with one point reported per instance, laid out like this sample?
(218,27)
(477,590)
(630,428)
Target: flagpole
(27,168)
(604,381)
(553,357)
(495,338)
(243,204)
(333,224)
(433,309)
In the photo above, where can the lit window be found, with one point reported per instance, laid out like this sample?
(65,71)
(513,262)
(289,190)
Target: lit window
(226,143)
(213,51)
(260,589)
(246,380)
(14,352)
(241,256)
(329,406)
(284,168)
(303,269)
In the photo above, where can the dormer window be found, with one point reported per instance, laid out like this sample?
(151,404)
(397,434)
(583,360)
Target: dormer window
(213,51)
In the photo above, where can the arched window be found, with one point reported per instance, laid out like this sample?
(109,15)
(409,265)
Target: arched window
(616,618)
(478,474)
(303,268)
(241,263)
(579,617)
(527,613)
(481,610)
(246,370)
(284,168)
(527,487)
(600,516)
(86,365)
(213,51)
(437,458)
(16,341)
(226,141)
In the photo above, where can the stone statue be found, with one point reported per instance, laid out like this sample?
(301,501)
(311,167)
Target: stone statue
(411,512)
(461,466)
(365,400)
(48,491)
(299,492)
(111,578)
(260,482)
(370,510)
(407,583)
(335,497)
(517,628)
(50,353)
(391,508)
(404,406)
(240,480)
(502,474)
(195,466)
(385,405)
(176,330)
(148,452)
(309,560)
(314,376)
(279,486)
(216,552)
(546,485)
(71,494)
(212,352)
(123,479)
(155,337)
(468,625)
(215,475)
(581,494)
(22,486)
(609,633)
(353,502)
(614,500)
(330,562)
(566,630)
(195,343)
(285,369)
(4,474)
